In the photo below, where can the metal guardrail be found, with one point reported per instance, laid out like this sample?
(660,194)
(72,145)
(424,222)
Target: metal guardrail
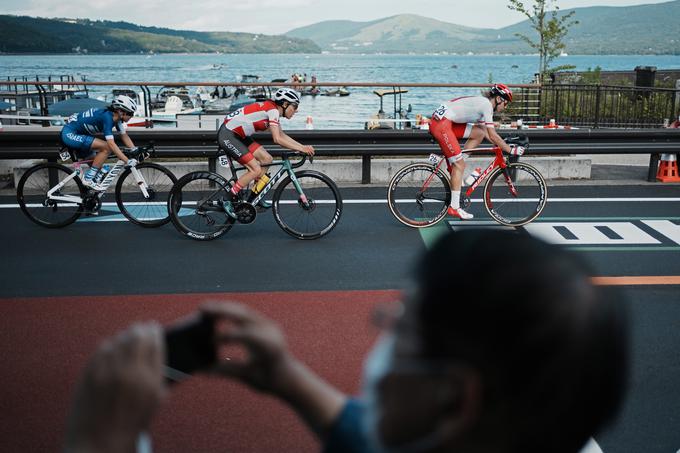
(173,143)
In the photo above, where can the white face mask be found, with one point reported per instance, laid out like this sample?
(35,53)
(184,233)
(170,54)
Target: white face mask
(378,365)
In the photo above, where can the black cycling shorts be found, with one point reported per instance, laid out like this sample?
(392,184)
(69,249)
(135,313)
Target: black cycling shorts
(238,148)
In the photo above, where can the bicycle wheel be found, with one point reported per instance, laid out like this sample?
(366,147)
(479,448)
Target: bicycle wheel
(418,195)
(517,201)
(195,206)
(138,209)
(48,212)
(309,207)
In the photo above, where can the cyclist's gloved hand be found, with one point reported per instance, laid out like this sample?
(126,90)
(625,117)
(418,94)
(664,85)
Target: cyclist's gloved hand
(516,150)
(131,163)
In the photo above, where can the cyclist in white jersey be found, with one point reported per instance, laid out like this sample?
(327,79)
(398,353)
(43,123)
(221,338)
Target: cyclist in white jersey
(234,137)
(469,117)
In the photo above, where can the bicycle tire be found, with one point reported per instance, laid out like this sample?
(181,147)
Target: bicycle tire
(32,196)
(521,206)
(147,212)
(313,219)
(412,203)
(194,206)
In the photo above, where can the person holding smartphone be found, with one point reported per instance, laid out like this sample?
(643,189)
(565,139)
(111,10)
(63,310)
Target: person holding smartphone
(536,365)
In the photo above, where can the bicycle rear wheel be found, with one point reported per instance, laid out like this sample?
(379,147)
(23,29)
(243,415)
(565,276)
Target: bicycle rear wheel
(418,195)
(195,206)
(34,202)
(138,209)
(518,200)
(308,208)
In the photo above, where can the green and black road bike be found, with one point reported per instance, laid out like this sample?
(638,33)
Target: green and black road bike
(306,203)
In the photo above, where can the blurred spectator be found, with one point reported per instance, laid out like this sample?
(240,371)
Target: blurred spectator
(509,348)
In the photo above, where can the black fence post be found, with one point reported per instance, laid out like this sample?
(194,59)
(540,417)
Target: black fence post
(366,169)
(653,167)
(597,106)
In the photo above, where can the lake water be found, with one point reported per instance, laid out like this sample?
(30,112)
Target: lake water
(327,112)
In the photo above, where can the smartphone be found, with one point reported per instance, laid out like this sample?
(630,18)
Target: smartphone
(189,346)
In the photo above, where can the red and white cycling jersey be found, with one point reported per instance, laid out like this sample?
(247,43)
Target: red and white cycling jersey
(468,109)
(258,116)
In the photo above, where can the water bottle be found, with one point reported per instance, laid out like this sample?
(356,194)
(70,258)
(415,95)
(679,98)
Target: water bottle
(472,177)
(264,179)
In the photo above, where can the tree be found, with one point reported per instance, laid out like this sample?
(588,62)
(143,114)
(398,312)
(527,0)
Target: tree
(551,28)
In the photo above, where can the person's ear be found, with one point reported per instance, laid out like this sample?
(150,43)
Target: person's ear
(460,401)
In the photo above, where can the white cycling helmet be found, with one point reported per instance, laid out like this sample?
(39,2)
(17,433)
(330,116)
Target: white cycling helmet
(124,103)
(286,94)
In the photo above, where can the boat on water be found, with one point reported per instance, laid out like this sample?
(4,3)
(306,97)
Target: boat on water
(26,97)
(173,101)
(255,92)
(174,106)
(342,91)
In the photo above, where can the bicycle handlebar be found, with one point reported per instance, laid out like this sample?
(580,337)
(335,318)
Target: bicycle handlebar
(141,152)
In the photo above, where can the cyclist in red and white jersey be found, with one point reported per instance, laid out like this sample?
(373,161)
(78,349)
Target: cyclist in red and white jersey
(234,137)
(469,117)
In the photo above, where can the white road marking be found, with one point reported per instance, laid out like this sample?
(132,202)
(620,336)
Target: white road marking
(587,233)
(399,200)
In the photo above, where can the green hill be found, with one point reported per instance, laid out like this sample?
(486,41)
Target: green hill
(20,34)
(643,29)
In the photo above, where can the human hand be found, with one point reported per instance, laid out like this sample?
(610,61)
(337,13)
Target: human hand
(308,149)
(120,389)
(131,163)
(516,150)
(267,360)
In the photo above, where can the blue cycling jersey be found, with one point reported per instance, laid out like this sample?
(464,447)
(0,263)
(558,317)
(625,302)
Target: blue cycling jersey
(94,121)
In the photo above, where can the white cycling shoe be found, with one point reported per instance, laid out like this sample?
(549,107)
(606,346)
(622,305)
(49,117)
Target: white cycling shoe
(460,213)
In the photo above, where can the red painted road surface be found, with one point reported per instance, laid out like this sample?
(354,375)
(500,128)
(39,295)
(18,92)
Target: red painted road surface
(44,343)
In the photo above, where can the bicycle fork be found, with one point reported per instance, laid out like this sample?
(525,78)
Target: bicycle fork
(144,187)
(303,200)
(509,182)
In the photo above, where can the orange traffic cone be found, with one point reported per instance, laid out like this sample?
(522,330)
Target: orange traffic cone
(668,169)
(310,123)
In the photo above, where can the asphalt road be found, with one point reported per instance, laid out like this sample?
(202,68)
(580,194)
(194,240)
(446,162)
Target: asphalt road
(624,231)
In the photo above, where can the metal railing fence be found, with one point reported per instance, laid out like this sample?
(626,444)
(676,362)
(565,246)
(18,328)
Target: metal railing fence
(607,106)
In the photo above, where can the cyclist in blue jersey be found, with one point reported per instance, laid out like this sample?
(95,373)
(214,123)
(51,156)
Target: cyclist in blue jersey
(78,134)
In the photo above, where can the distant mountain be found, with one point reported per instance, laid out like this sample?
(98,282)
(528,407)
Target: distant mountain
(19,34)
(643,29)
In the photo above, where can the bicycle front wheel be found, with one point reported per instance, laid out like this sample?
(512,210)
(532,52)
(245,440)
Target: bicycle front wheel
(515,199)
(195,206)
(419,195)
(148,210)
(307,207)
(59,209)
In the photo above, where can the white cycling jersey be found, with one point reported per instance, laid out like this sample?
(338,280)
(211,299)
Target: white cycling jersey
(468,109)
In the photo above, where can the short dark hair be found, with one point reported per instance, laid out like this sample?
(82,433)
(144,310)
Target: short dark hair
(551,348)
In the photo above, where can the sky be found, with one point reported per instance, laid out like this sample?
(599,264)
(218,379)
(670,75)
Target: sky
(280,16)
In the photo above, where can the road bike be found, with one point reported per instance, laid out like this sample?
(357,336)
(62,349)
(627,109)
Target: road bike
(515,193)
(306,204)
(53,195)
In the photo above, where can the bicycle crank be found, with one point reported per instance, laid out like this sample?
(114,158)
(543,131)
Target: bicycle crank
(465,201)
(245,212)
(92,203)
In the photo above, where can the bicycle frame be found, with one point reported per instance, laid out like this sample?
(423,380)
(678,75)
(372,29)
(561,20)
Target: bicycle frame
(497,162)
(286,169)
(101,187)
